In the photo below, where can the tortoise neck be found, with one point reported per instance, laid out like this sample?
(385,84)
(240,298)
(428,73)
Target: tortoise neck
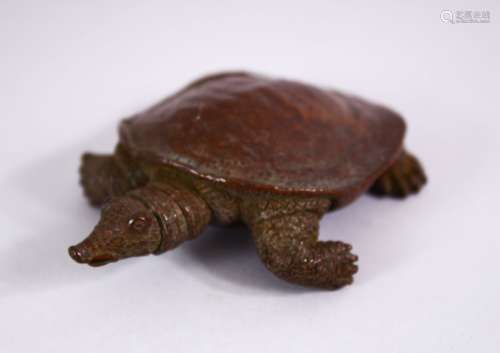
(181,214)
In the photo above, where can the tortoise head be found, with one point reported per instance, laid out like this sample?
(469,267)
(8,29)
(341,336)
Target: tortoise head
(127,228)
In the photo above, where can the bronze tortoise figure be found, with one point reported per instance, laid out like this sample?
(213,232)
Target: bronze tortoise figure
(238,147)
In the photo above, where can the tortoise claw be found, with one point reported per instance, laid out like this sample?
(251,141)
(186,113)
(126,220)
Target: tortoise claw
(343,263)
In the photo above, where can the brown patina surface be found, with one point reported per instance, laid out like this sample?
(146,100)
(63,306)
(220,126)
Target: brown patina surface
(259,133)
(231,148)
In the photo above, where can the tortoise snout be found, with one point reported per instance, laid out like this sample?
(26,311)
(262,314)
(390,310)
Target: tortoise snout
(82,255)
(77,254)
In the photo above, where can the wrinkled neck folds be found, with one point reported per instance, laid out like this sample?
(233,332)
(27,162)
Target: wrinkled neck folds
(180,213)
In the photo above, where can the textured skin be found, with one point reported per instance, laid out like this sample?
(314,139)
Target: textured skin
(119,233)
(226,208)
(105,176)
(275,155)
(148,220)
(289,248)
(406,176)
(286,236)
(257,133)
(182,214)
(101,178)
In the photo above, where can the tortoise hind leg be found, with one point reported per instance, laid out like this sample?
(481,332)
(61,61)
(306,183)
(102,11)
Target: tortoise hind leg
(406,176)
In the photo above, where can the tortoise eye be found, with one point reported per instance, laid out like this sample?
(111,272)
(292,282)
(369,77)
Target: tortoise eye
(139,223)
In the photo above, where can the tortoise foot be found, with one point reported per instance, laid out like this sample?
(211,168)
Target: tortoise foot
(403,178)
(342,263)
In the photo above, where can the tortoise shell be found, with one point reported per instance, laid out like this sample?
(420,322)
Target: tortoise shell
(264,134)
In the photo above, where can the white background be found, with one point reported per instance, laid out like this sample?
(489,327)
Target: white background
(429,276)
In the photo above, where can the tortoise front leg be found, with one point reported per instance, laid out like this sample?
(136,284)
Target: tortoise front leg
(406,176)
(101,178)
(289,247)
(106,176)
